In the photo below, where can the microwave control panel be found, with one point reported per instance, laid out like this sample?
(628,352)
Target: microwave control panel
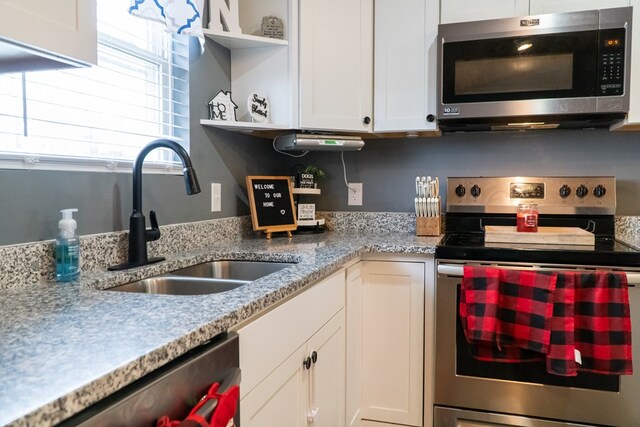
(611,62)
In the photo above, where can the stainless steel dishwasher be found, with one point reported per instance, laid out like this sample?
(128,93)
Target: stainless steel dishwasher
(171,390)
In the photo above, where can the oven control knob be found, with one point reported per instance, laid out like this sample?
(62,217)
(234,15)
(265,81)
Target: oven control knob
(565,191)
(460,190)
(582,191)
(599,191)
(475,191)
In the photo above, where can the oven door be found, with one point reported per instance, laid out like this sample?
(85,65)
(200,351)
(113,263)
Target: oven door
(525,389)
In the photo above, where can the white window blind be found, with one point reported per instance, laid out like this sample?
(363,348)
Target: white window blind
(100,117)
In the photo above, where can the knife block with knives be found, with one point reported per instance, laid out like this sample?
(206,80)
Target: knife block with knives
(427,205)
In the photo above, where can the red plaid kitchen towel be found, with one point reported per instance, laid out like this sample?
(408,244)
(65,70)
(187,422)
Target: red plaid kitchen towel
(561,355)
(590,315)
(603,322)
(511,308)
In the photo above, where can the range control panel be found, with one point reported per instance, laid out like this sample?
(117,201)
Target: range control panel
(591,195)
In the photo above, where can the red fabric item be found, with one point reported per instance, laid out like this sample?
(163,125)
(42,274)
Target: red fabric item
(510,308)
(223,413)
(590,313)
(227,407)
(603,322)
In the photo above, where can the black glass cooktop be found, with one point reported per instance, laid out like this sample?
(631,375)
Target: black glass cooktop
(462,244)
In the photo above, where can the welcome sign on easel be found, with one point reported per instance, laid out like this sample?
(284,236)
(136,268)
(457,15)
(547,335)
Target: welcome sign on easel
(271,204)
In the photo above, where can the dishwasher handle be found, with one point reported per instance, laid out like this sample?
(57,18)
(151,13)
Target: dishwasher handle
(210,403)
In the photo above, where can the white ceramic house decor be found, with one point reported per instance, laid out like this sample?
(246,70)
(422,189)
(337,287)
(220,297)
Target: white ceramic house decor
(224,16)
(221,107)
(258,107)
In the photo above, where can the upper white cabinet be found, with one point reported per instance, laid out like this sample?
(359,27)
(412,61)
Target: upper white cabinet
(470,10)
(473,10)
(261,65)
(336,65)
(405,65)
(538,7)
(43,34)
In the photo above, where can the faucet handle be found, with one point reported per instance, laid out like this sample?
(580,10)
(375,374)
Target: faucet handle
(154,233)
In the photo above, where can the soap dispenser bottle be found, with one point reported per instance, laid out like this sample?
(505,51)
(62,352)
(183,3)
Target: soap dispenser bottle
(67,248)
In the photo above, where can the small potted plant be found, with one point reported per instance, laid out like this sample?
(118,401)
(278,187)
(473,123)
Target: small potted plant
(309,177)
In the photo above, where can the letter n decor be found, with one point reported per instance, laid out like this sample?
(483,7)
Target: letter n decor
(224,16)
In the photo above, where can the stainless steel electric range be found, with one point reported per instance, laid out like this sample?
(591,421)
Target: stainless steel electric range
(469,392)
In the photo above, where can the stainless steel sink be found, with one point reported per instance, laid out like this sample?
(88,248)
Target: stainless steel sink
(236,270)
(173,285)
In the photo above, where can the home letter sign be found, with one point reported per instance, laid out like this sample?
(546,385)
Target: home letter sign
(222,107)
(224,16)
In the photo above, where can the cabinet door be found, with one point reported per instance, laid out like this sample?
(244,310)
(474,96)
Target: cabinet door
(63,28)
(326,376)
(354,345)
(538,7)
(336,64)
(472,10)
(279,400)
(405,65)
(393,341)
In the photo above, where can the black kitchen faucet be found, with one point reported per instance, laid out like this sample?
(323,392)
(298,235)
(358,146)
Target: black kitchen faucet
(138,234)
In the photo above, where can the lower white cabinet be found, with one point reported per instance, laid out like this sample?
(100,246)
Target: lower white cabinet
(354,345)
(306,389)
(293,361)
(391,334)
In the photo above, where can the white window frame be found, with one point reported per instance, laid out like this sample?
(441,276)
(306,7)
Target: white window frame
(165,161)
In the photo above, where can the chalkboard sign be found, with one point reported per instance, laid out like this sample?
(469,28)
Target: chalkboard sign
(271,203)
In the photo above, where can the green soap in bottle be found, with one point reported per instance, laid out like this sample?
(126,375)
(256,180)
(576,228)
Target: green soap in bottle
(67,248)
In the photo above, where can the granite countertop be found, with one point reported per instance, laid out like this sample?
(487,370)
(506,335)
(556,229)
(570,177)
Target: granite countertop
(66,346)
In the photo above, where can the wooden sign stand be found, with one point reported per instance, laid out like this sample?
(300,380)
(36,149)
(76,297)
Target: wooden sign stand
(271,204)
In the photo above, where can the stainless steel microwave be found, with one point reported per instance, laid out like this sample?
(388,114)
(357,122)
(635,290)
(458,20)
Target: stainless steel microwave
(544,71)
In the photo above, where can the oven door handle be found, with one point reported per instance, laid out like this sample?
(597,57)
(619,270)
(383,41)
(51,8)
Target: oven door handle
(457,270)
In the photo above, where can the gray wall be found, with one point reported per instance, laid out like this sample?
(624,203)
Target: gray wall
(387,168)
(30,200)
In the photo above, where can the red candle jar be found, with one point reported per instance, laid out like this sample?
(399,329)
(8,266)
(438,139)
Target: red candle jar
(527,217)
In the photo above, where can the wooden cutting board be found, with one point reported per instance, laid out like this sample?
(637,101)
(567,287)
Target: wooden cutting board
(545,235)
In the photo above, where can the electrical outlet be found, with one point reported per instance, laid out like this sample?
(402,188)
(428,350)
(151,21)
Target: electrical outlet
(355,194)
(216,197)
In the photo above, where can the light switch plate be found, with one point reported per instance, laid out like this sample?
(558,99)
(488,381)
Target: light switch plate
(216,197)
(355,194)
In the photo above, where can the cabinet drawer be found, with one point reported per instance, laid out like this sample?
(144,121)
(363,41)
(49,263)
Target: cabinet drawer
(266,342)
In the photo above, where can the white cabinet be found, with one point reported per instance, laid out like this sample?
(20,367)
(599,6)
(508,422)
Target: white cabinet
(405,65)
(473,10)
(469,10)
(392,341)
(266,66)
(537,7)
(354,345)
(336,65)
(301,391)
(42,34)
(293,360)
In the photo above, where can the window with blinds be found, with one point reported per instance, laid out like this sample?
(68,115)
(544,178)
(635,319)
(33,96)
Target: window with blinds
(99,118)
